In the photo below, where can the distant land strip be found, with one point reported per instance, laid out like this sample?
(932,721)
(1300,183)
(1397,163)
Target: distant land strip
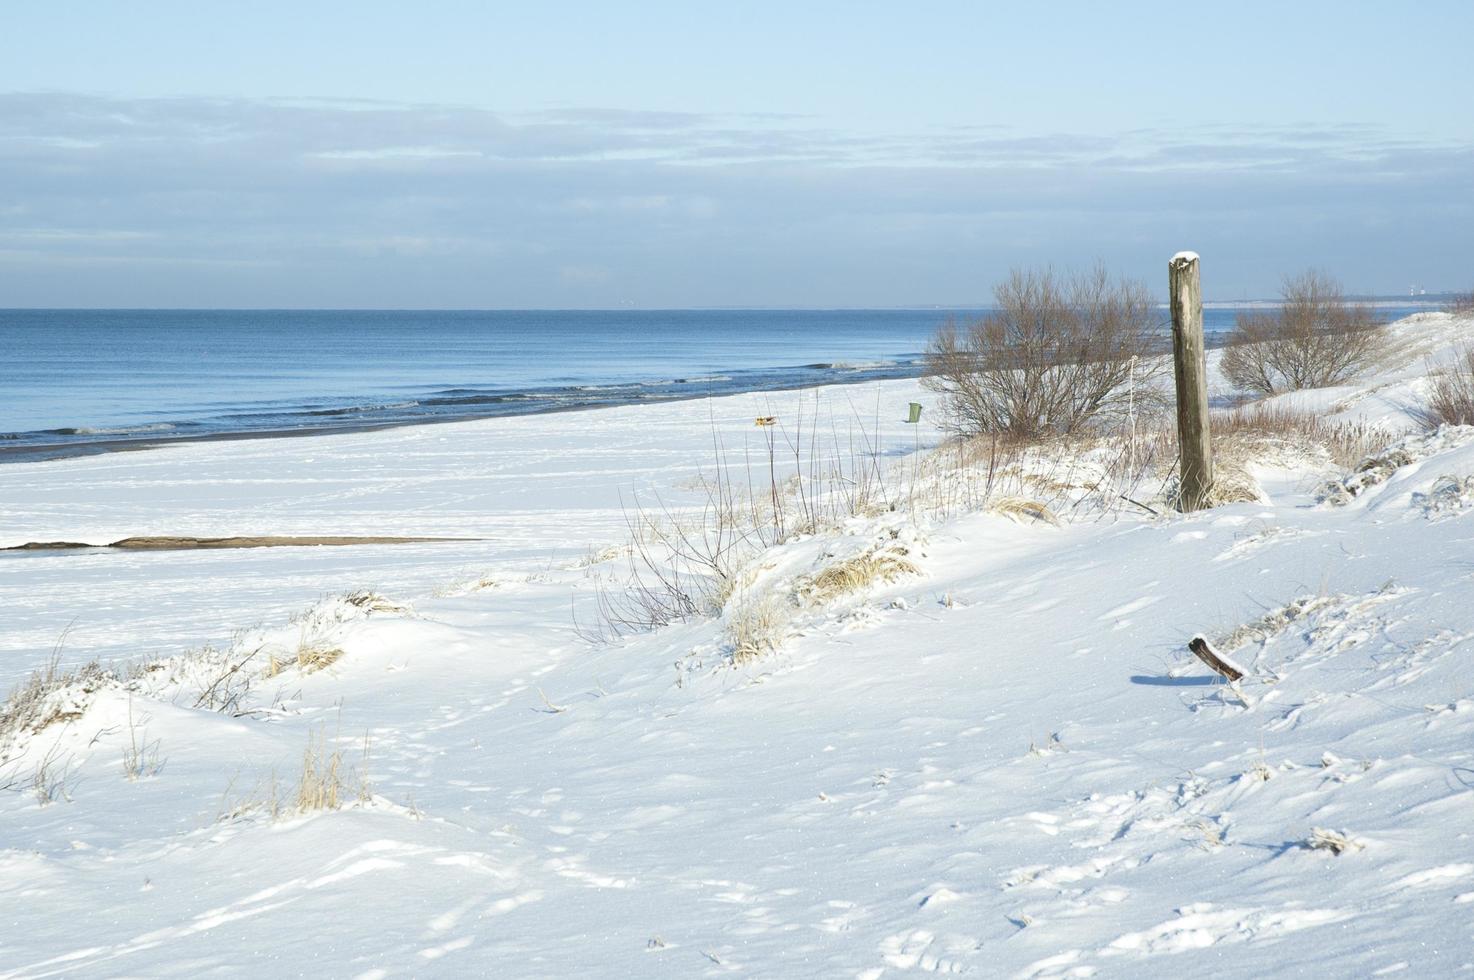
(176,543)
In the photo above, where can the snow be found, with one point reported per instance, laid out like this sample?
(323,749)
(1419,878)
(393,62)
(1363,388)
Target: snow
(1183,257)
(1005,765)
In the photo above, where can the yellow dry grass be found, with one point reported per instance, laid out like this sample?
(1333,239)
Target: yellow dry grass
(1023,509)
(757,626)
(853,574)
(309,657)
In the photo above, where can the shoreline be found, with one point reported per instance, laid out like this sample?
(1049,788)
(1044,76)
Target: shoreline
(179,542)
(101,447)
(16,448)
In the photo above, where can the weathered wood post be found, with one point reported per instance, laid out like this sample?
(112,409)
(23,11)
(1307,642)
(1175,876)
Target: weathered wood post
(1191,369)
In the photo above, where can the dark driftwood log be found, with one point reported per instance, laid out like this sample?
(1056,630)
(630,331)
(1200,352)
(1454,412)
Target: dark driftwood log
(1204,652)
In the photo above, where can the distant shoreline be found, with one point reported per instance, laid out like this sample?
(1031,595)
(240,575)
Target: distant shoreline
(378,407)
(99,447)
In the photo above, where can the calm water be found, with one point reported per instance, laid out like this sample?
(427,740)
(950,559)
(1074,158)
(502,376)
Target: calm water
(86,380)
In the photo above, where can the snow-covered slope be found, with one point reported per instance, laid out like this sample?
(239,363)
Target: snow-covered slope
(1002,763)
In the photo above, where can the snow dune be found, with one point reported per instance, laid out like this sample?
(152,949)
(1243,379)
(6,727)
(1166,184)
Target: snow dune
(1005,764)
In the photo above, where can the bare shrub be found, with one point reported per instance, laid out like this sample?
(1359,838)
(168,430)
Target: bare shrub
(1461,304)
(1056,354)
(1316,338)
(1451,393)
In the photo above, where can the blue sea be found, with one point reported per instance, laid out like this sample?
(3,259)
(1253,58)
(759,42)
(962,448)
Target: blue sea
(79,381)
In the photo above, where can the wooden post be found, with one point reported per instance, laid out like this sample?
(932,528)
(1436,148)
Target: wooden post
(1191,370)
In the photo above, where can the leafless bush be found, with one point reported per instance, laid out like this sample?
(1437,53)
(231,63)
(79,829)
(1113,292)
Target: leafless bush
(1451,393)
(1461,304)
(1056,354)
(1316,338)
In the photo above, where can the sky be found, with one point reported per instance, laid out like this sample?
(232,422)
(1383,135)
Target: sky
(562,155)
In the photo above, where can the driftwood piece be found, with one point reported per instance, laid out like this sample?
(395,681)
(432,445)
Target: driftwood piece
(1220,664)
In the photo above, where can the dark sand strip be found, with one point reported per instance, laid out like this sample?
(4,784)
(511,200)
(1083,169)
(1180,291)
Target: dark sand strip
(171,543)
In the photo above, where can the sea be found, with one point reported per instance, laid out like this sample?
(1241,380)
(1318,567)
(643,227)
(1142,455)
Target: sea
(85,381)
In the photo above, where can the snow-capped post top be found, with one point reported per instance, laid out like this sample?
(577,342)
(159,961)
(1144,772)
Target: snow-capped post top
(1183,258)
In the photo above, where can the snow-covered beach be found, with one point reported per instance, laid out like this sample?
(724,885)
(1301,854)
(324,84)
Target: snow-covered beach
(999,761)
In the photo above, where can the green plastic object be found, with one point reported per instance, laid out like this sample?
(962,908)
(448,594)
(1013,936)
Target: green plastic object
(915,415)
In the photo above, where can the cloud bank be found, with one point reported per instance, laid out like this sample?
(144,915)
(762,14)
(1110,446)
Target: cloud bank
(249,202)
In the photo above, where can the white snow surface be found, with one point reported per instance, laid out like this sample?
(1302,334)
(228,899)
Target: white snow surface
(1005,765)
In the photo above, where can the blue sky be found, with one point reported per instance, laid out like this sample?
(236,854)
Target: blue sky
(824,154)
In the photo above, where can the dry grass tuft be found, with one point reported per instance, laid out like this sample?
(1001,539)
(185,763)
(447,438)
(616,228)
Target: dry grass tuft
(1276,433)
(313,653)
(757,626)
(326,782)
(1023,509)
(1335,841)
(373,602)
(1233,483)
(1274,622)
(853,574)
(34,704)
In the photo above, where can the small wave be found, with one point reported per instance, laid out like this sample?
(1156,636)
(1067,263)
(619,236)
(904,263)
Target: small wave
(450,401)
(119,430)
(693,380)
(850,365)
(620,387)
(359,409)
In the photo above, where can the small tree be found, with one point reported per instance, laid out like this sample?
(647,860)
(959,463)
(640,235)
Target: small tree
(1055,354)
(1315,339)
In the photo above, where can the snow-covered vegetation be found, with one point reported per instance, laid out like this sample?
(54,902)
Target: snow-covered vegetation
(832,697)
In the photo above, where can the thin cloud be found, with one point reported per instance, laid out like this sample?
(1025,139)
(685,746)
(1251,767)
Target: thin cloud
(346,197)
